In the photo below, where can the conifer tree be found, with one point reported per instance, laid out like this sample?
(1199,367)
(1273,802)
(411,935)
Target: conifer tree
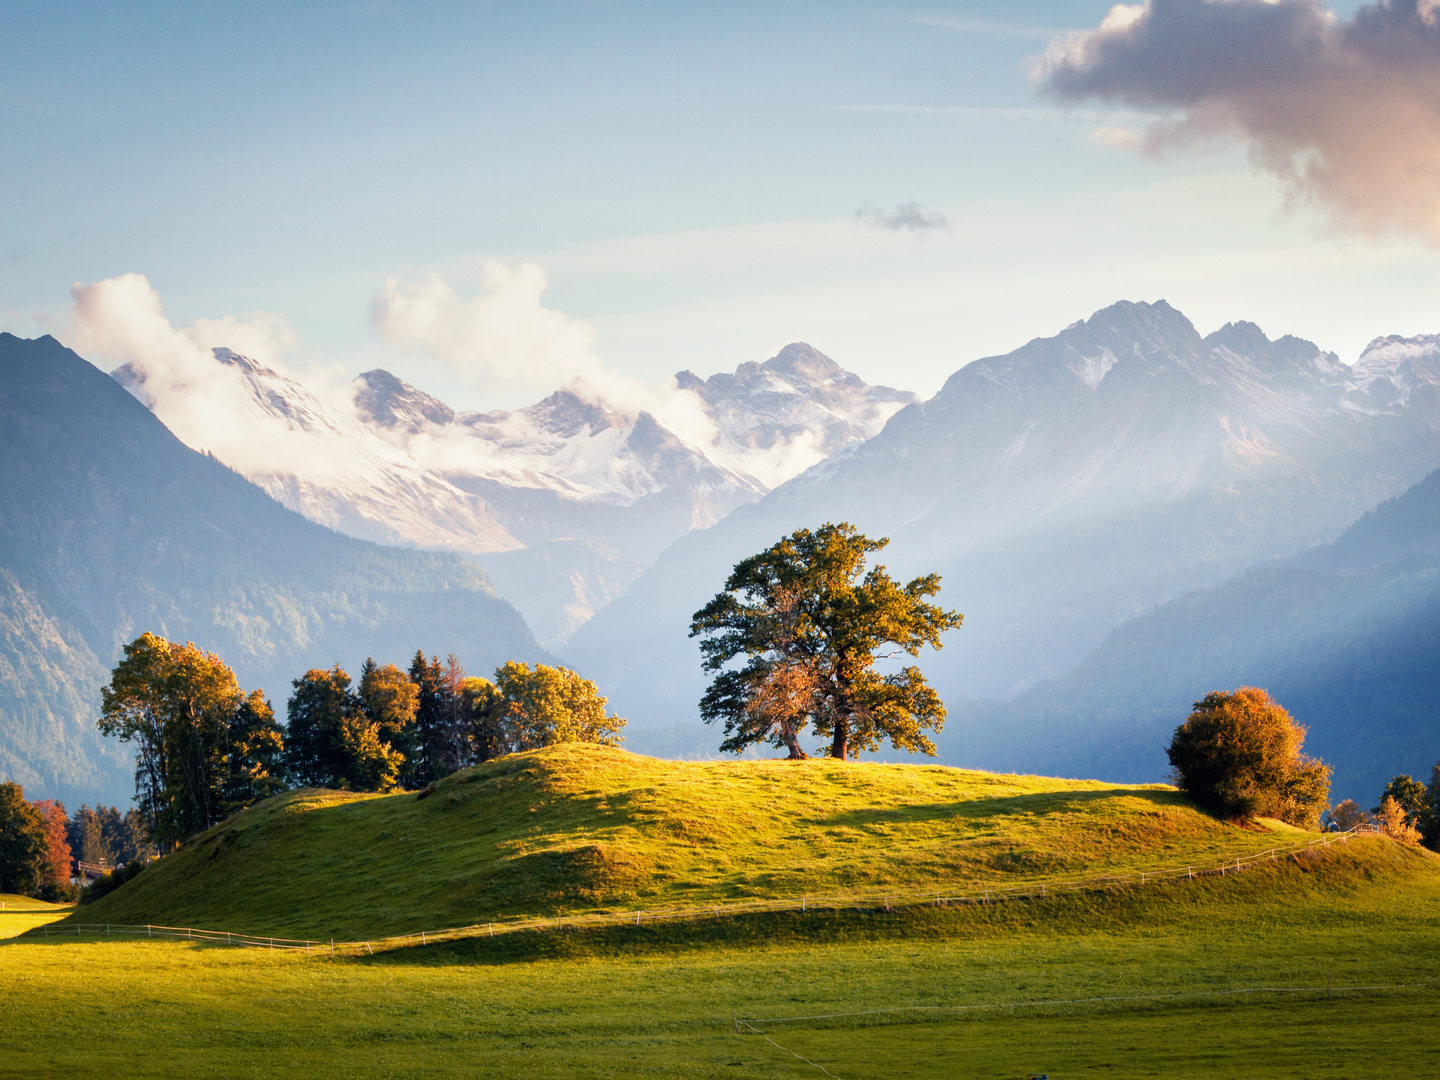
(431,735)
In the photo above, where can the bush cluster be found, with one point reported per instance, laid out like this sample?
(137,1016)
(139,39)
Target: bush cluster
(1238,755)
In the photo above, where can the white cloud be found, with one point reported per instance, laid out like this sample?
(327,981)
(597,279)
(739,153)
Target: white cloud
(203,401)
(503,335)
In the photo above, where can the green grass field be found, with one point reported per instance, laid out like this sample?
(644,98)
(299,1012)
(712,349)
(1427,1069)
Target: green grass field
(581,828)
(1216,977)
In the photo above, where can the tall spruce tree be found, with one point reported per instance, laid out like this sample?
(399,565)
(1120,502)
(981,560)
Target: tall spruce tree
(431,734)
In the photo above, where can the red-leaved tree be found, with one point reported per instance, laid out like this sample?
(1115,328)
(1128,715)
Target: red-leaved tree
(58,865)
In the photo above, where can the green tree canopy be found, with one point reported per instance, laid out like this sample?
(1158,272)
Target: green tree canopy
(331,742)
(1238,755)
(389,699)
(24,846)
(547,705)
(489,729)
(203,748)
(810,623)
(1411,796)
(431,736)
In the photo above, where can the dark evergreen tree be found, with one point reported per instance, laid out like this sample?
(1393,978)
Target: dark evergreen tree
(431,722)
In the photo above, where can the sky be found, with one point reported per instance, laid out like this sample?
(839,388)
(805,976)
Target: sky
(491,199)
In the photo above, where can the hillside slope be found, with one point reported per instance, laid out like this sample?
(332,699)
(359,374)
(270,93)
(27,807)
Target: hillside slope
(110,526)
(576,827)
(1345,636)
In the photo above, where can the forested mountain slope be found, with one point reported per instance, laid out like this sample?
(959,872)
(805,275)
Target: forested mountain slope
(110,526)
(1346,636)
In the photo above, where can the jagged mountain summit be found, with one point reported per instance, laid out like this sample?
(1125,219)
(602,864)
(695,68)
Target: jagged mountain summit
(1065,487)
(564,501)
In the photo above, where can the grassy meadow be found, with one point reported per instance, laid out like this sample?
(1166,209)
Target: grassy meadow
(1326,966)
(579,828)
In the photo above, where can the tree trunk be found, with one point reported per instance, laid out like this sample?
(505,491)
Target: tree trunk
(792,743)
(840,746)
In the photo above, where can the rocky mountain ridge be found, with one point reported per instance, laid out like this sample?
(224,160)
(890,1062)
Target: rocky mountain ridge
(564,501)
(1064,488)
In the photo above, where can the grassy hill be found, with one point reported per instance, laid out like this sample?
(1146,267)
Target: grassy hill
(582,828)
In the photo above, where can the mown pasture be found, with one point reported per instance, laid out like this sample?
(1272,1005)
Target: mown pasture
(1320,966)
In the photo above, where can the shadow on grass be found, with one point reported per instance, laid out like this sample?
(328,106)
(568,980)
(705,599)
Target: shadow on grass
(1272,892)
(1007,806)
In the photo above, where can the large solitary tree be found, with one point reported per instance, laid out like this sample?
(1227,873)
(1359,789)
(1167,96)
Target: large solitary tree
(810,623)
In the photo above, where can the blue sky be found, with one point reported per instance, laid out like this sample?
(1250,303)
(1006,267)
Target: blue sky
(687,176)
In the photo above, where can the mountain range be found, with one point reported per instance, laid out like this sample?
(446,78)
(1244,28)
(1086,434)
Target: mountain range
(1345,635)
(564,502)
(1128,513)
(110,526)
(1061,490)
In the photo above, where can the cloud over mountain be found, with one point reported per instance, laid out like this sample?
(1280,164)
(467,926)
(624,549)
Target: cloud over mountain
(1345,112)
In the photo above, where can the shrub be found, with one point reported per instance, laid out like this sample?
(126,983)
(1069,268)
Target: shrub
(1238,756)
(1394,824)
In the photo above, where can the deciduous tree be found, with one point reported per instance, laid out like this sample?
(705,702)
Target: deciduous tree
(330,742)
(1395,823)
(1412,798)
(547,705)
(24,849)
(810,623)
(389,699)
(59,864)
(1347,814)
(1238,755)
(201,743)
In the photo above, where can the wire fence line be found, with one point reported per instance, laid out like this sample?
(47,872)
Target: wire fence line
(875,901)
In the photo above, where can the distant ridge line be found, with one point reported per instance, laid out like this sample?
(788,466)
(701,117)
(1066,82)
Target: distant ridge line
(887,901)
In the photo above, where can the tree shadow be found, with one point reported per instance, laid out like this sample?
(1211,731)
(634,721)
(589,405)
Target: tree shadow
(1039,804)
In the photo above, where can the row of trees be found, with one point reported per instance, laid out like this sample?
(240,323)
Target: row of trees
(1408,810)
(205,748)
(40,845)
(397,728)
